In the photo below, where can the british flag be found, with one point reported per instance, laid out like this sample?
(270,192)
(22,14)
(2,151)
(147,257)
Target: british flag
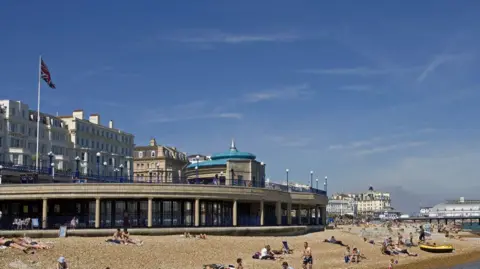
(46,75)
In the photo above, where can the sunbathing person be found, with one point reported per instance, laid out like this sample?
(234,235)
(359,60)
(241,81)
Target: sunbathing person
(29,243)
(128,240)
(62,263)
(332,240)
(266,253)
(386,250)
(369,241)
(202,236)
(401,250)
(356,255)
(12,244)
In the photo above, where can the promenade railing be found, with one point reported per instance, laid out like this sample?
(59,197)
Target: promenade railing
(77,177)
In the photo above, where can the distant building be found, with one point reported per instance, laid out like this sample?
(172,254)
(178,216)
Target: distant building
(425,211)
(368,203)
(194,158)
(456,208)
(158,163)
(341,207)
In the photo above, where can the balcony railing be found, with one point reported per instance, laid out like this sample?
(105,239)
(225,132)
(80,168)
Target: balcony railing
(77,177)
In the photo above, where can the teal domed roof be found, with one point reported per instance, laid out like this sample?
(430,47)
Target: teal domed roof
(222,158)
(233,153)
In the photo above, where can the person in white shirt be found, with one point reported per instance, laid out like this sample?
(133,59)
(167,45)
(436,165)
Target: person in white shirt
(266,253)
(285,266)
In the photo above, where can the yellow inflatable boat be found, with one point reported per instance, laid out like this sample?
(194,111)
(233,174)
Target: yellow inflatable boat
(437,249)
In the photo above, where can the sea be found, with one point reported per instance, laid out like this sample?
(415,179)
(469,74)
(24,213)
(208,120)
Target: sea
(475,227)
(475,265)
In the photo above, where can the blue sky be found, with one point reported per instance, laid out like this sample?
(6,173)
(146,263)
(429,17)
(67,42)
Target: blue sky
(381,93)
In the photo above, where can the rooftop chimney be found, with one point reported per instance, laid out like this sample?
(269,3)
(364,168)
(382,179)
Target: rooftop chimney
(78,114)
(94,118)
(110,124)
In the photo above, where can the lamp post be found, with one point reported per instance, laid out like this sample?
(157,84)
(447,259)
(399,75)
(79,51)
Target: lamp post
(220,178)
(77,171)
(325,185)
(115,170)
(311,179)
(50,157)
(158,172)
(317,182)
(105,169)
(1,168)
(288,187)
(196,174)
(121,171)
(150,172)
(52,166)
(98,164)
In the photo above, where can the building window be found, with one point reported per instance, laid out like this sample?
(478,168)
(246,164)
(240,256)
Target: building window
(152,154)
(140,154)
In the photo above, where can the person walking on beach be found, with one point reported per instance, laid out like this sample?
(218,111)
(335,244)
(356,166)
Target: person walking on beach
(421,238)
(239,264)
(307,257)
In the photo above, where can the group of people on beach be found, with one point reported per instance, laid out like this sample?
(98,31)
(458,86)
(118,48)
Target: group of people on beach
(25,244)
(123,237)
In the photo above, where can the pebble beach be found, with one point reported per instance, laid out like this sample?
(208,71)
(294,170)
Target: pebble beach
(176,252)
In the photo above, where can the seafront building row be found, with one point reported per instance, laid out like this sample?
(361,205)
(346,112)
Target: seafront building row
(369,203)
(127,186)
(69,142)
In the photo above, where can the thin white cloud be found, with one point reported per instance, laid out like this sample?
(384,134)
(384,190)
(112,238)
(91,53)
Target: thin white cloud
(359,71)
(281,93)
(175,118)
(216,36)
(194,110)
(296,142)
(392,147)
(440,60)
(376,141)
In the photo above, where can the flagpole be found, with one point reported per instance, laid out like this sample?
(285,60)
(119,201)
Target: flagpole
(38,112)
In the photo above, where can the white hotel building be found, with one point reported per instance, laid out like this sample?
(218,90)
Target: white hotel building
(67,137)
(91,139)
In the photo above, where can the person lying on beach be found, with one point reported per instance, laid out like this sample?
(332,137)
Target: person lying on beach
(12,244)
(266,253)
(385,250)
(332,240)
(28,243)
(369,241)
(398,249)
(117,237)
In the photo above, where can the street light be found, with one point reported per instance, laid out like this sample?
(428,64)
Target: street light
(311,179)
(1,168)
(105,169)
(325,185)
(50,156)
(77,171)
(52,165)
(317,182)
(158,172)
(115,170)
(121,171)
(196,173)
(287,170)
(98,164)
